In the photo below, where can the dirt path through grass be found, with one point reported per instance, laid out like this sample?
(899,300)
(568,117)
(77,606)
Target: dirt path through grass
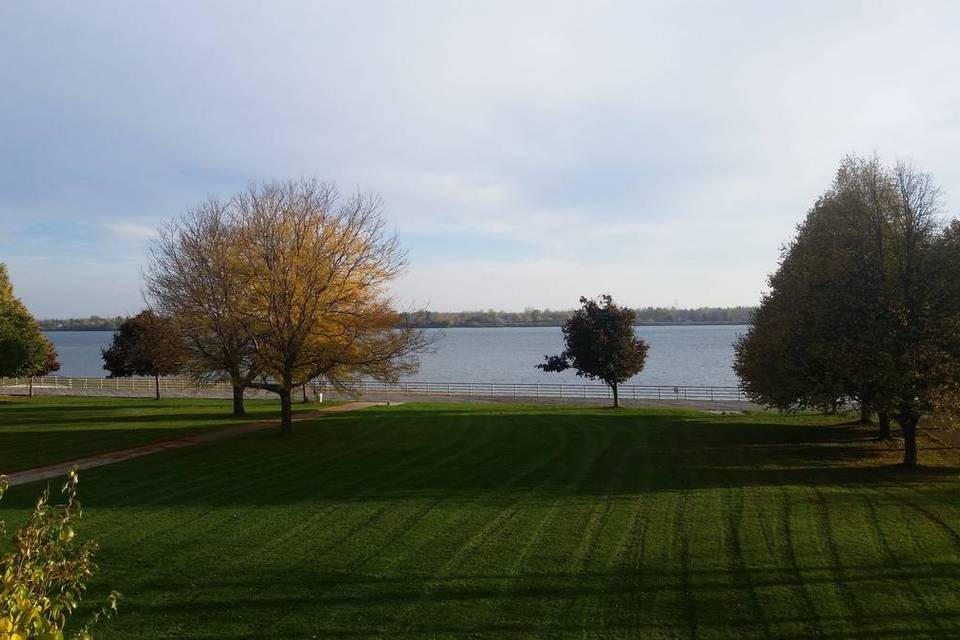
(61,468)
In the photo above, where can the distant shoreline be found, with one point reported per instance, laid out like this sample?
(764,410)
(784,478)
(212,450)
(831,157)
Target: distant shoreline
(516,325)
(489,319)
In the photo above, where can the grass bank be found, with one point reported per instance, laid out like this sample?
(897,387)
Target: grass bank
(426,521)
(48,429)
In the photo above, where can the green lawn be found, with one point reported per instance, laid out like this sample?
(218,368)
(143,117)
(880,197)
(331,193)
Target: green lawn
(48,429)
(425,521)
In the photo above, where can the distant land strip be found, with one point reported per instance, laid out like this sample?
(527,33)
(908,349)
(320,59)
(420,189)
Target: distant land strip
(651,316)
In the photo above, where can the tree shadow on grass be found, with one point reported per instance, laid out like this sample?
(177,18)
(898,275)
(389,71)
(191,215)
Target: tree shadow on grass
(309,600)
(460,454)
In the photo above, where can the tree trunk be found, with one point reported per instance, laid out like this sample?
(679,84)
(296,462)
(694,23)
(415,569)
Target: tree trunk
(156,380)
(616,396)
(304,387)
(238,410)
(884,419)
(30,386)
(908,424)
(286,410)
(865,414)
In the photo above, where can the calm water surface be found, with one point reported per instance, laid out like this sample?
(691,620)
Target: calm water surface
(679,355)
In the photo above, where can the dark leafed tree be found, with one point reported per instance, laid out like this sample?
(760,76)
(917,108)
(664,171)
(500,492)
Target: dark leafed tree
(815,340)
(23,347)
(51,363)
(600,344)
(314,275)
(923,360)
(195,278)
(858,310)
(145,345)
(944,268)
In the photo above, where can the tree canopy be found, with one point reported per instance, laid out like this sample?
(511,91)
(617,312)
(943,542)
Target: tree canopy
(600,344)
(861,307)
(283,284)
(314,275)
(24,349)
(144,345)
(196,280)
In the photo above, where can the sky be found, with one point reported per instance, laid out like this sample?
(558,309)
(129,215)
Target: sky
(527,153)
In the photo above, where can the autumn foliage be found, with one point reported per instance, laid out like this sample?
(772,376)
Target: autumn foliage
(44,578)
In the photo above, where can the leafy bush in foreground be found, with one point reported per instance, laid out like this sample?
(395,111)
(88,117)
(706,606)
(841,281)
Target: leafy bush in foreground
(43,580)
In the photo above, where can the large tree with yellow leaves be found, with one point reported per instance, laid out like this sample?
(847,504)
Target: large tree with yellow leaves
(309,273)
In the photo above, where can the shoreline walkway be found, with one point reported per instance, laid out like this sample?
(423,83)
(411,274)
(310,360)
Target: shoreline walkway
(49,472)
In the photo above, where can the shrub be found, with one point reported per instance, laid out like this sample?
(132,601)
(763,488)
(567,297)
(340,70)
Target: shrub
(44,578)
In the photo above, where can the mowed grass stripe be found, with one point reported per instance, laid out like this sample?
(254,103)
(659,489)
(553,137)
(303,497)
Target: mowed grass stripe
(506,557)
(222,476)
(909,593)
(397,622)
(347,485)
(770,564)
(598,535)
(498,518)
(422,546)
(263,526)
(437,535)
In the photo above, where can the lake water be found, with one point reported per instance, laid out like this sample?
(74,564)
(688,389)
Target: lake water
(679,355)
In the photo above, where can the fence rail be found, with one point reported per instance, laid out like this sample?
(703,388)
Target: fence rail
(553,390)
(113,384)
(468,389)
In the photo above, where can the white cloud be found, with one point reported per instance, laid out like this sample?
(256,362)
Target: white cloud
(130,231)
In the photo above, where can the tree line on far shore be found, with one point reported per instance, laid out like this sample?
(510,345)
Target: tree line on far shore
(490,318)
(90,323)
(549,318)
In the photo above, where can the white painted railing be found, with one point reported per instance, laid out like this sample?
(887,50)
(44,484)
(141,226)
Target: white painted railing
(459,389)
(557,391)
(112,384)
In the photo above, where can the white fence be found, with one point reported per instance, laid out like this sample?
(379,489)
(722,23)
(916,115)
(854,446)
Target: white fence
(459,389)
(557,391)
(112,384)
